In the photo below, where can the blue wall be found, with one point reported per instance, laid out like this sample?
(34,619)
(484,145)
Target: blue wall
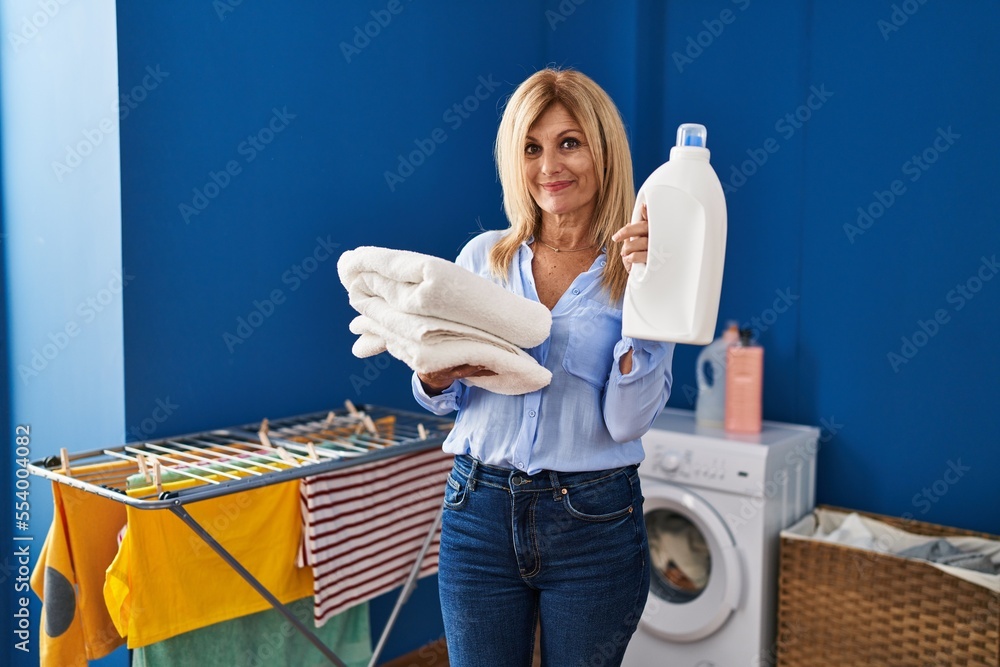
(919,435)
(907,425)
(265,228)
(815,109)
(321,182)
(256,145)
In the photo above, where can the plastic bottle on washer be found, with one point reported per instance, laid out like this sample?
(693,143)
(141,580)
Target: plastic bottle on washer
(744,385)
(710,409)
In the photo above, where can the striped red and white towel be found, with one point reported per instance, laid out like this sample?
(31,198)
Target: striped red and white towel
(364,526)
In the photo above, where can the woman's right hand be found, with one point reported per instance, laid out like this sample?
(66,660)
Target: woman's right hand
(436,382)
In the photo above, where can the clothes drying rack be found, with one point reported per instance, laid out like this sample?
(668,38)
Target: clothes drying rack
(176,471)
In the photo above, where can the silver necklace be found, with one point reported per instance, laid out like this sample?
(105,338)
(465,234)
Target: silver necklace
(558,250)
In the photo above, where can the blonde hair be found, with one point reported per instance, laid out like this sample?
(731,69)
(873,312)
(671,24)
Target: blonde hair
(604,130)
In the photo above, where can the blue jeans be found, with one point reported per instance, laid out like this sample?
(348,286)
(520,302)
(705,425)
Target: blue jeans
(568,548)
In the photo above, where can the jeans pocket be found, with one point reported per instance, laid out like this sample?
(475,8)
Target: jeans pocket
(604,500)
(591,344)
(455,492)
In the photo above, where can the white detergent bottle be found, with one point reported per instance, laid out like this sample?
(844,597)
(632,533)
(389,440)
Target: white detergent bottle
(675,296)
(711,406)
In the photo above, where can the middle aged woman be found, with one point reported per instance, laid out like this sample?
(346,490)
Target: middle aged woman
(543,515)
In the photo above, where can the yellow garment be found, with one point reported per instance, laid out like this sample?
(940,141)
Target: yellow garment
(166,580)
(69,577)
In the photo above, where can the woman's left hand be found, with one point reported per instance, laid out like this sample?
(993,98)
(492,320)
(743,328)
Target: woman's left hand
(635,241)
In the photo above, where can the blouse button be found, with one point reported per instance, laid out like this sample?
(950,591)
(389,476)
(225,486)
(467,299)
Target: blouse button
(576,291)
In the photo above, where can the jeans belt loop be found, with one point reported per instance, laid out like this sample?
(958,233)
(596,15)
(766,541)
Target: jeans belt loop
(556,488)
(472,475)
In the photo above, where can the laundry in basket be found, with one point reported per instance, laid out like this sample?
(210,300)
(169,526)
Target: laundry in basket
(953,555)
(866,603)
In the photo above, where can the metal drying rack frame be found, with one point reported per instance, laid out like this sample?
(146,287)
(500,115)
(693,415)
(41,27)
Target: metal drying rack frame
(277,446)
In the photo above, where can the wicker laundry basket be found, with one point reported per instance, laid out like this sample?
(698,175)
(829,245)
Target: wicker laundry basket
(843,606)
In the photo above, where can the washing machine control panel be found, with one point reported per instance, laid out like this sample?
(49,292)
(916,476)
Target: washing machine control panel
(704,462)
(685,465)
(670,462)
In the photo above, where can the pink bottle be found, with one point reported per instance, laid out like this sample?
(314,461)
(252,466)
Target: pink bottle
(744,385)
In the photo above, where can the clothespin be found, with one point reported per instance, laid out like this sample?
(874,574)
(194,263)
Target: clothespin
(262,434)
(330,416)
(286,457)
(369,424)
(312,451)
(157,476)
(64,457)
(143,468)
(350,408)
(421,431)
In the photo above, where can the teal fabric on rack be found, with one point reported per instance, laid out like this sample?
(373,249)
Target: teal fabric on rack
(265,639)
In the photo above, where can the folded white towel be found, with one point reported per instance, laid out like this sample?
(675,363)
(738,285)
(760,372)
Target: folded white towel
(420,284)
(432,344)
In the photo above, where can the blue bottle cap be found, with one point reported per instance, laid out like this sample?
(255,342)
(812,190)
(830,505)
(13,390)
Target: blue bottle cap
(692,134)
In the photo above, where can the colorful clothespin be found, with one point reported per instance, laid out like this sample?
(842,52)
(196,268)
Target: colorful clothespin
(157,476)
(64,458)
(286,457)
(262,434)
(143,468)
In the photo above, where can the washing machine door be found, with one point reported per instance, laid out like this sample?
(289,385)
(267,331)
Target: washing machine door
(695,573)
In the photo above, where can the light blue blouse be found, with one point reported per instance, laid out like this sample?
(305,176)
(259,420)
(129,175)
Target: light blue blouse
(590,417)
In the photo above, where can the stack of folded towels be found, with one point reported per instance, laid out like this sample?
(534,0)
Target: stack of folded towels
(432,314)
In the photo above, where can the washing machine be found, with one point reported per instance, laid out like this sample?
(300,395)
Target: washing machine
(715,504)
